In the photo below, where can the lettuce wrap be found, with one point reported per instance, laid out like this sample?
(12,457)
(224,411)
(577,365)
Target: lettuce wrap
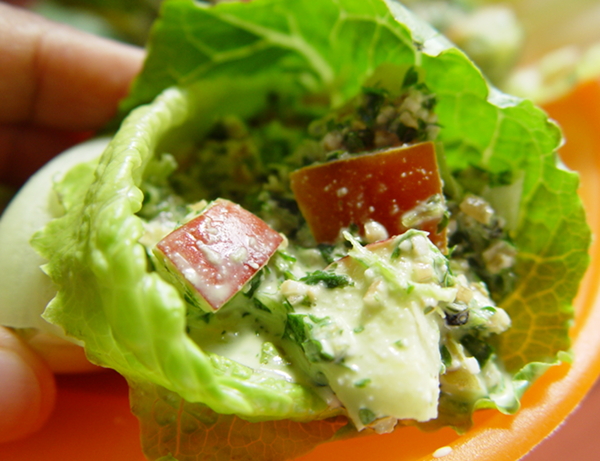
(275,71)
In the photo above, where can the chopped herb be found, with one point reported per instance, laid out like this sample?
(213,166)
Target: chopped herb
(410,288)
(443,222)
(503,178)
(429,102)
(373,99)
(406,133)
(399,344)
(478,348)
(451,250)
(149,259)
(319,320)
(326,252)
(289,275)
(295,328)
(207,317)
(283,263)
(288,306)
(377,94)
(189,298)
(195,316)
(359,329)
(362,382)
(353,229)
(447,281)
(398,251)
(493,179)
(330,279)
(333,155)
(260,305)
(411,77)
(366,416)
(286,256)
(446,356)
(253,284)
(358,140)
(314,352)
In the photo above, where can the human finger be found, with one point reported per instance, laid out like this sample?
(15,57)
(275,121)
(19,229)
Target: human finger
(28,388)
(57,86)
(57,76)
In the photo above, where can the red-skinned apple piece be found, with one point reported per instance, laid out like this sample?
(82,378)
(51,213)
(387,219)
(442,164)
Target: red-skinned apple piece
(381,187)
(216,253)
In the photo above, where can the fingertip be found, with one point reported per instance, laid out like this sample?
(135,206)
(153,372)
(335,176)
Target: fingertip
(61,356)
(28,389)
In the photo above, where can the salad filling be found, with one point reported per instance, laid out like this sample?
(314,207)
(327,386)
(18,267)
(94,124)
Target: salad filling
(370,314)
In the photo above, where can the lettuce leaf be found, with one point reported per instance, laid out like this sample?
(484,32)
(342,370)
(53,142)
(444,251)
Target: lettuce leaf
(209,61)
(130,319)
(173,427)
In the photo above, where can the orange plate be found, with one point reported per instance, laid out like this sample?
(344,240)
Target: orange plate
(92,421)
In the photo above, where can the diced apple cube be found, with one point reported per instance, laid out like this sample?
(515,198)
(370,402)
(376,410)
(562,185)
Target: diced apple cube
(385,187)
(215,254)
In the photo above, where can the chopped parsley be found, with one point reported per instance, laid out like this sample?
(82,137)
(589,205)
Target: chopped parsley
(362,382)
(478,348)
(329,279)
(366,416)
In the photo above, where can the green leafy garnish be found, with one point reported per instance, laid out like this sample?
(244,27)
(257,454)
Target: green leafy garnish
(366,416)
(478,348)
(362,382)
(329,279)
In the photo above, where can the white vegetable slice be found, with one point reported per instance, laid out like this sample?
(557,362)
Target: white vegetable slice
(24,288)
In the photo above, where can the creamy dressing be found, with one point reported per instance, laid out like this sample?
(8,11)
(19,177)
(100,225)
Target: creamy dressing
(236,332)
(377,338)
(384,344)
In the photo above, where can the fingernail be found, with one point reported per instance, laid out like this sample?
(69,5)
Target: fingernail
(20,396)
